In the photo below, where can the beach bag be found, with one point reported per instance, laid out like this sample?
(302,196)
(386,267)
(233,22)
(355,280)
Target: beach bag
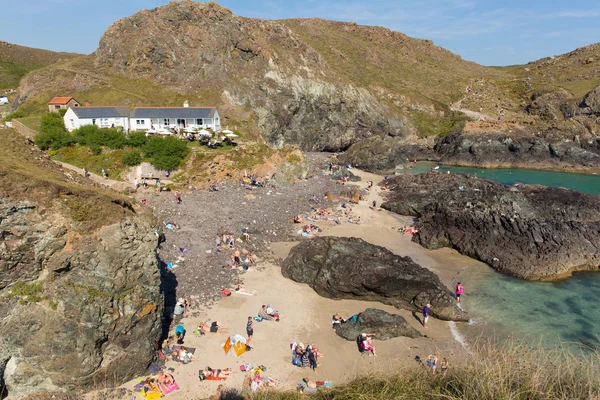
(258,318)
(226,292)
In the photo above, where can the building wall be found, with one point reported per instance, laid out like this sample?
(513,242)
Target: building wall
(56,107)
(73,122)
(144,124)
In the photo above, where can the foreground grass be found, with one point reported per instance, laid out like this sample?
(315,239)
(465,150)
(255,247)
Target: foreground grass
(512,370)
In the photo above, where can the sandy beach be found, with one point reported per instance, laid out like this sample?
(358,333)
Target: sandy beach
(308,316)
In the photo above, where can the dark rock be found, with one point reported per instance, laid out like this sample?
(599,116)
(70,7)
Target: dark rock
(350,268)
(528,231)
(592,100)
(382,324)
(340,173)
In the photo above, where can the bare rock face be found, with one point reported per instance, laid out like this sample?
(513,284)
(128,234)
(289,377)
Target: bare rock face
(350,268)
(530,232)
(378,322)
(592,100)
(80,289)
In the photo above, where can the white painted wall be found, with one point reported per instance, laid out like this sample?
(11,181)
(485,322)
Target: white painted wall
(72,121)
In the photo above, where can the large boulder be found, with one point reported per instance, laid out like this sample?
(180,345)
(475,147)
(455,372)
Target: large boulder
(592,100)
(350,268)
(528,231)
(378,322)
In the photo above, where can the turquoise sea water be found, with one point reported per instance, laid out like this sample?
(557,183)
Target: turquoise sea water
(565,311)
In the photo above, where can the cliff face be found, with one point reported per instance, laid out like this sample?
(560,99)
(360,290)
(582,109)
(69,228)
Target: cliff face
(80,299)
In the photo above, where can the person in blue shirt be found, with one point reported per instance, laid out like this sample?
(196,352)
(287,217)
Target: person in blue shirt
(180,333)
(426,314)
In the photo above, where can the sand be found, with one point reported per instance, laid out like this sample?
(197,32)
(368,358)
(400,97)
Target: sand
(308,316)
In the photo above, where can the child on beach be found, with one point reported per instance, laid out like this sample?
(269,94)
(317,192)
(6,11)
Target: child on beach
(426,314)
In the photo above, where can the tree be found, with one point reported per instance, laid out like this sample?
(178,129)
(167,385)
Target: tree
(132,158)
(52,134)
(166,153)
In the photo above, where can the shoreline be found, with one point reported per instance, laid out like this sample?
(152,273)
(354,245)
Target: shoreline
(308,316)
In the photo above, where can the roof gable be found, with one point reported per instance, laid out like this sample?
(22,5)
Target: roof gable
(174,112)
(60,100)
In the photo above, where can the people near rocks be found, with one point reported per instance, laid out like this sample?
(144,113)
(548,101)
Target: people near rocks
(235,257)
(426,311)
(171,225)
(178,199)
(369,185)
(337,319)
(209,373)
(245,235)
(184,355)
(365,343)
(150,385)
(164,378)
(459,291)
(214,327)
(410,230)
(266,312)
(432,362)
(180,333)
(182,306)
(298,219)
(228,241)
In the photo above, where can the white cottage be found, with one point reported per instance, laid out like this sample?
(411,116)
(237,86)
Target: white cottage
(102,117)
(144,118)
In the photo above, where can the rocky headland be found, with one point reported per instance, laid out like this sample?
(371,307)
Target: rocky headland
(350,268)
(527,231)
(80,290)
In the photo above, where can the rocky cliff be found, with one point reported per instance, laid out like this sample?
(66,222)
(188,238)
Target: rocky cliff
(528,231)
(80,297)
(350,268)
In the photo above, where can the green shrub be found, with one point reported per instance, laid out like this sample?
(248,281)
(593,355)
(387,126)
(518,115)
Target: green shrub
(62,112)
(132,158)
(92,136)
(136,139)
(52,134)
(166,153)
(15,114)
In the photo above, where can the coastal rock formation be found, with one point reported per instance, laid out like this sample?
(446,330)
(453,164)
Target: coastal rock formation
(378,322)
(340,173)
(528,231)
(80,289)
(350,268)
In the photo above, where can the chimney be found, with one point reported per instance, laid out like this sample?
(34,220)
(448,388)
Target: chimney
(87,104)
(186,104)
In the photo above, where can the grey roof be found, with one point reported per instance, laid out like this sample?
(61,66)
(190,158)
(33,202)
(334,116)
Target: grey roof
(173,112)
(100,112)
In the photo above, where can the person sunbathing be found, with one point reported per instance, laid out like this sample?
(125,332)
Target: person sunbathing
(209,373)
(150,385)
(214,327)
(266,312)
(337,319)
(184,356)
(242,289)
(164,378)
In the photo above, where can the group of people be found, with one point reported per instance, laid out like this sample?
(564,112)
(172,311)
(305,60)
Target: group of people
(305,357)
(432,362)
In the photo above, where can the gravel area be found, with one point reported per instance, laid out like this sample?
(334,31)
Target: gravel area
(266,212)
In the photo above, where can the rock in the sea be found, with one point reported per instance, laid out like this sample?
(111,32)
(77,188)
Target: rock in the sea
(528,231)
(350,268)
(382,324)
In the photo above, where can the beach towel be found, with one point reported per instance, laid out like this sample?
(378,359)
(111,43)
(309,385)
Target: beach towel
(244,293)
(154,369)
(153,395)
(168,388)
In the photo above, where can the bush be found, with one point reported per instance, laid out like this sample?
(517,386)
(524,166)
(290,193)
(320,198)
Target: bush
(166,153)
(92,136)
(136,139)
(132,158)
(15,114)
(52,134)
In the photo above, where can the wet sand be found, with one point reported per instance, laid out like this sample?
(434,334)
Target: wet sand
(308,316)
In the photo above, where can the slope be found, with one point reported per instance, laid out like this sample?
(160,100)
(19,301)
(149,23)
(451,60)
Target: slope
(16,61)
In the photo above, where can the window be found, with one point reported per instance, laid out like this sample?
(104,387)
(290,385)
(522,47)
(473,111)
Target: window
(72,123)
(57,107)
(199,121)
(104,122)
(139,122)
(166,121)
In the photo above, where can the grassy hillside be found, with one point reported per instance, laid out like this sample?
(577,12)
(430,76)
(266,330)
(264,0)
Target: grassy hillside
(17,61)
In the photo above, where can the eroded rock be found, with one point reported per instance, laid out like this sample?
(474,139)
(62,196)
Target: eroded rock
(378,322)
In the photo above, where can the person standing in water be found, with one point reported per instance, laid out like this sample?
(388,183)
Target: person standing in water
(459,291)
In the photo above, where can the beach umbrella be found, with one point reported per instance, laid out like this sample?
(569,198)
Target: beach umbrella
(204,132)
(226,131)
(189,130)
(231,134)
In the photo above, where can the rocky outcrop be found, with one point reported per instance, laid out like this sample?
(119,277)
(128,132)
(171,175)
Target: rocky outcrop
(80,289)
(350,268)
(378,322)
(341,173)
(527,231)
(591,101)
(498,150)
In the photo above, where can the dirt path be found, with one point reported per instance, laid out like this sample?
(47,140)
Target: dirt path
(115,185)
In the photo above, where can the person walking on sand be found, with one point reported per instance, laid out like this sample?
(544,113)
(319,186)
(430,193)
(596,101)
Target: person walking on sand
(432,361)
(426,314)
(459,291)
(374,204)
(249,329)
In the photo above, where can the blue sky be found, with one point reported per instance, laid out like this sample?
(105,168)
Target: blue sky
(488,32)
